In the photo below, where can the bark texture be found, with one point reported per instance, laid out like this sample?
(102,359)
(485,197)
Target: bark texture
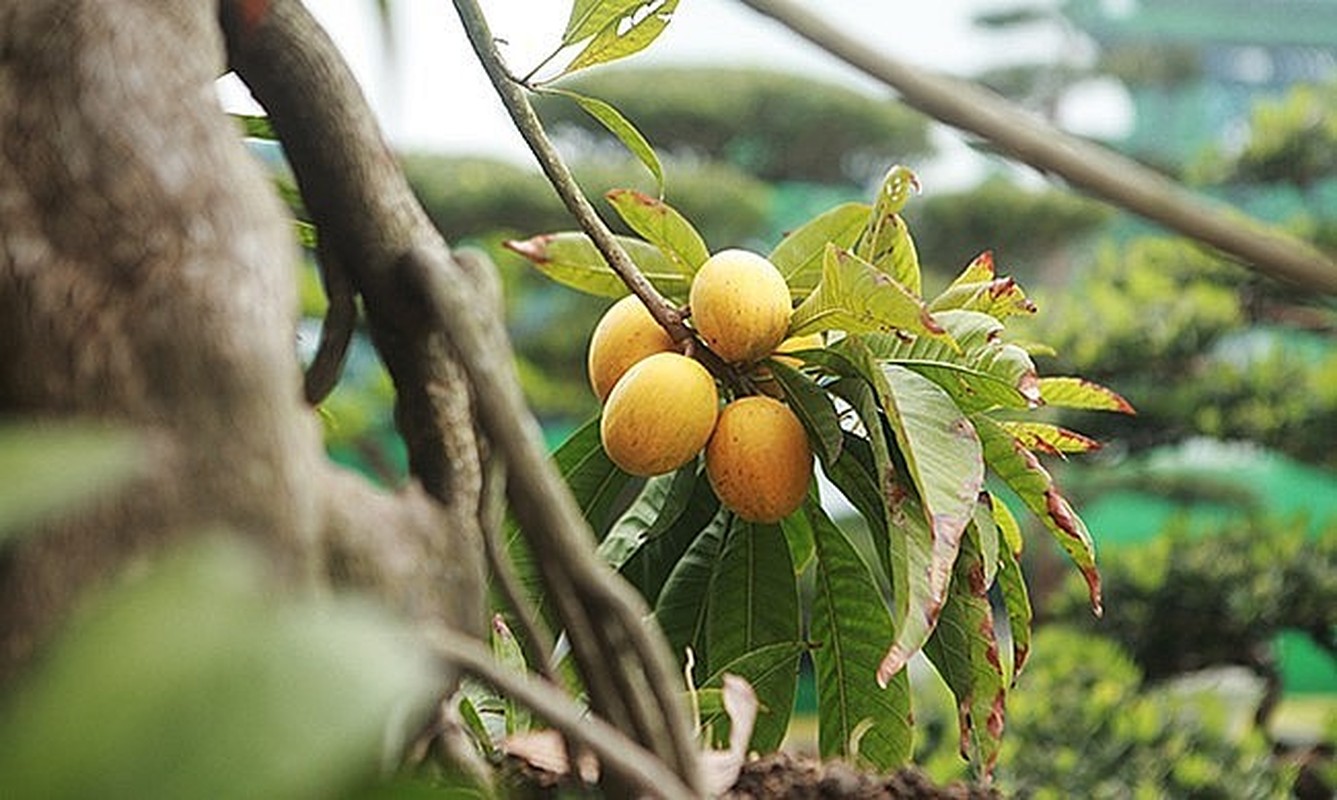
(147,280)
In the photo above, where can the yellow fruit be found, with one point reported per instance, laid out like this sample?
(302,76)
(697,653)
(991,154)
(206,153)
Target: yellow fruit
(740,305)
(758,459)
(626,333)
(659,414)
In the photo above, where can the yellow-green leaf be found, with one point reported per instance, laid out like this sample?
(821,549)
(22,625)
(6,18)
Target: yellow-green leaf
(572,259)
(856,297)
(629,32)
(620,127)
(663,226)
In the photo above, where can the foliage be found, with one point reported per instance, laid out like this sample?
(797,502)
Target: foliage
(1021,226)
(775,126)
(1291,139)
(1188,600)
(1080,725)
(1169,326)
(929,393)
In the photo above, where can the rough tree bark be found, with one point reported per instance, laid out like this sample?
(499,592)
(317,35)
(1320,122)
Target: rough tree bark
(147,280)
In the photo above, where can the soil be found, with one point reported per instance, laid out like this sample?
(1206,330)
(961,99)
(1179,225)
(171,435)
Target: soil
(783,775)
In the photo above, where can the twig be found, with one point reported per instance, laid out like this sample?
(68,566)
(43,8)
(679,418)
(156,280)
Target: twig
(512,93)
(616,752)
(336,332)
(1080,162)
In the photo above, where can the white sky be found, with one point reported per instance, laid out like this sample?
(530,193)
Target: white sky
(434,96)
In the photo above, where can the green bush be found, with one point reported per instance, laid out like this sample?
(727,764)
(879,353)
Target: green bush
(1184,602)
(1080,725)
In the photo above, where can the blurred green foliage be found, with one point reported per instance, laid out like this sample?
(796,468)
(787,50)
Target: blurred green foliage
(1081,725)
(1023,227)
(776,126)
(1291,139)
(1185,601)
(1180,333)
(472,197)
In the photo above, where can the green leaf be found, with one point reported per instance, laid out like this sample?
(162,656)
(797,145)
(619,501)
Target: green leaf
(46,470)
(800,254)
(856,297)
(754,603)
(812,405)
(187,679)
(980,372)
(506,650)
(886,242)
(772,671)
(1048,438)
(1020,470)
(798,535)
(630,31)
(684,601)
(1069,392)
(1016,600)
(572,260)
(665,541)
(660,504)
(588,17)
(985,529)
(849,624)
(595,482)
(943,456)
(1007,524)
(662,226)
(622,128)
(1000,298)
(256,126)
(964,650)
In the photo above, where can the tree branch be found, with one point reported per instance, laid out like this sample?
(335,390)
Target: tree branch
(1103,173)
(616,752)
(513,96)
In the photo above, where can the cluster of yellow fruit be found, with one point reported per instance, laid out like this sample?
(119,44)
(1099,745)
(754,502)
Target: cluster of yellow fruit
(661,408)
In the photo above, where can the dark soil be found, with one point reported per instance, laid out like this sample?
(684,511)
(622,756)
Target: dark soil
(788,776)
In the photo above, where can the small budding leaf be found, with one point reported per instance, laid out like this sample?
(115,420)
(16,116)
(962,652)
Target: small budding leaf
(621,127)
(663,226)
(627,30)
(886,243)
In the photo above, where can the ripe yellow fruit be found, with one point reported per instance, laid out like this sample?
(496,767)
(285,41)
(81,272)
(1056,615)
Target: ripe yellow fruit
(758,459)
(740,305)
(626,333)
(659,414)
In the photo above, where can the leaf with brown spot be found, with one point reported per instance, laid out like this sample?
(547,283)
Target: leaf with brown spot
(1070,392)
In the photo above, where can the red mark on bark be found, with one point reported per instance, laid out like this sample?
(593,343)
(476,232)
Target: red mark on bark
(251,13)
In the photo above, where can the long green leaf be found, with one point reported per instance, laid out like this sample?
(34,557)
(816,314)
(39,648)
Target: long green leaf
(572,259)
(886,243)
(799,255)
(1046,437)
(754,603)
(660,504)
(684,601)
(628,33)
(767,669)
(964,650)
(856,297)
(812,405)
(1017,602)
(621,127)
(662,226)
(665,542)
(849,624)
(1019,468)
(981,372)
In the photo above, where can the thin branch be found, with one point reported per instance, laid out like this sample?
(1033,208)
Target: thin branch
(336,332)
(616,752)
(513,96)
(1098,170)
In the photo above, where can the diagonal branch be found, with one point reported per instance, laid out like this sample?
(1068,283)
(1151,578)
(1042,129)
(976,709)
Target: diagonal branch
(1101,172)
